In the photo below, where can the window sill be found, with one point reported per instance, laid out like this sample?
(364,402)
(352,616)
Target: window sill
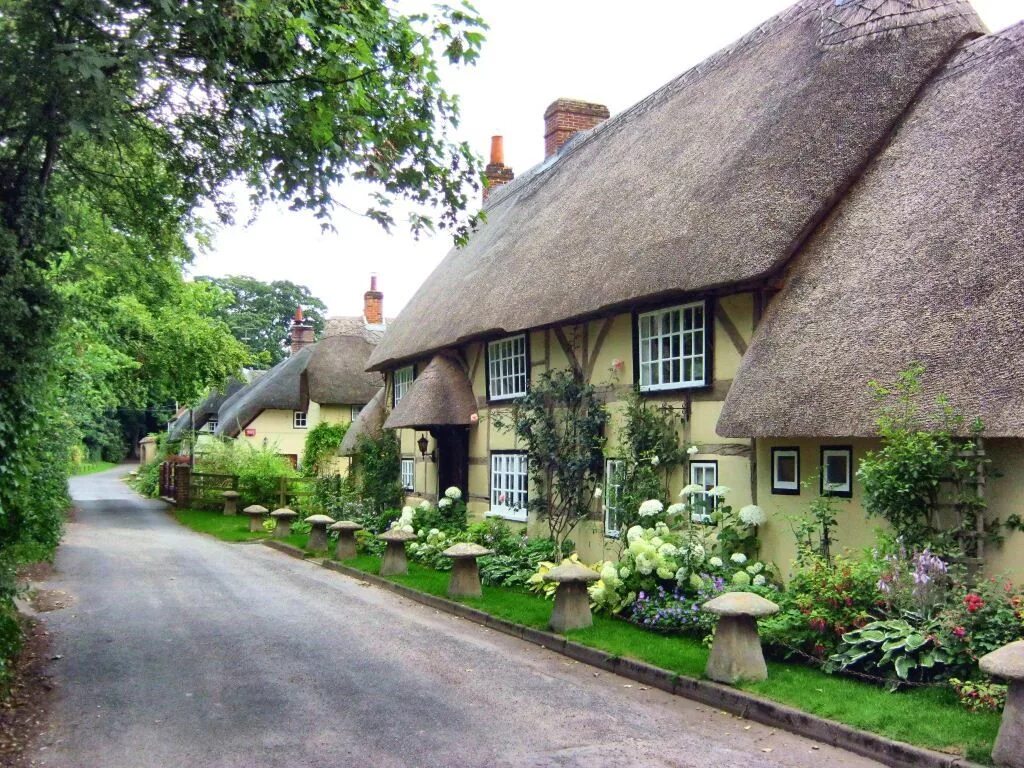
(506,516)
(649,390)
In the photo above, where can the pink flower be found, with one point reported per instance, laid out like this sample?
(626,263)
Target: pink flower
(959,632)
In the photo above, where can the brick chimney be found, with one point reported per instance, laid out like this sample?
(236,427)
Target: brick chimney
(496,172)
(302,332)
(566,117)
(373,304)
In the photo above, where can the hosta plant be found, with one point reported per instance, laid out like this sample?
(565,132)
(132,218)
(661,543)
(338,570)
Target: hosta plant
(892,647)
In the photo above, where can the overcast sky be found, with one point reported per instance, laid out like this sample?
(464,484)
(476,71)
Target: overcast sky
(536,51)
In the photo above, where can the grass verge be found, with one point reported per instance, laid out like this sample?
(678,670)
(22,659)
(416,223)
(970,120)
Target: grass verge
(925,717)
(92,467)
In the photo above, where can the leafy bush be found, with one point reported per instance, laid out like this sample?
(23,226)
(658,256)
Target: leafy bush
(980,695)
(895,646)
(979,619)
(561,423)
(823,602)
(376,470)
(259,470)
(921,465)
(322,442)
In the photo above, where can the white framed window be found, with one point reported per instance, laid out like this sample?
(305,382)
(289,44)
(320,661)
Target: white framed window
(211,425)
(786,471)
(672,346)
(402,381)
(837,471)
(507,368)
(614,478)
(509,482)
(704,474)
(408,473)
(299,419)
(355,411)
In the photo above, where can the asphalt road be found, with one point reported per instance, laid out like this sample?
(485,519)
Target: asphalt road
(178,650)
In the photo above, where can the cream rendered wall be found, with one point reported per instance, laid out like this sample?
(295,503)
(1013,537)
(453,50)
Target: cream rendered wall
(855,531)
(274,429)
(604,349)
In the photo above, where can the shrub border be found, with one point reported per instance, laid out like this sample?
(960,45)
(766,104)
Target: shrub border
(896,754)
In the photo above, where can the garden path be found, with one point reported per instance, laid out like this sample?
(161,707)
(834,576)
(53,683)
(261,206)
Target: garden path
(180,650)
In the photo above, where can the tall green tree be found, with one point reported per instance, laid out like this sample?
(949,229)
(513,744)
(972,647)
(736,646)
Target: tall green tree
(146,109)
(260,315)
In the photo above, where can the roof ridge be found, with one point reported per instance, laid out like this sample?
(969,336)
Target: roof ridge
(984,48)
(845,20)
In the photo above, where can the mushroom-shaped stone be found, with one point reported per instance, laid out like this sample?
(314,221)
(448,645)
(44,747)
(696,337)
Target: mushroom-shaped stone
(231,502)
(394,563)
(572,603)
(256,515)
(465,580)
(736,650)
(1008,663)
(284,518)
(346,529)
(318,531)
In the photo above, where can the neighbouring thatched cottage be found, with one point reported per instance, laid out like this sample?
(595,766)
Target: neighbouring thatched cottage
(922,260)
(202,419)
(800,191)
(320,381)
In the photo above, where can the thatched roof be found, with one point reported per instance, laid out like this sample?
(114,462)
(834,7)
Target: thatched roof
(196,418)
(712,180)
(336,372)
(369,423)
(280,388)
(923,261)
(330,372)
(350,325)
(441,395)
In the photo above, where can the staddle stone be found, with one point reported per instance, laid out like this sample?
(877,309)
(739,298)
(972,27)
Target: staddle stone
(284,517)
(465,580)
(346,547)
(231,502)
(572,602)
(736,650)
(318,531)
(395,562)
(256,514)
(1008,663)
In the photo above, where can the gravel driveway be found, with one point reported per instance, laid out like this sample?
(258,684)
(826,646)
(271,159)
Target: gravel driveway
(178,650)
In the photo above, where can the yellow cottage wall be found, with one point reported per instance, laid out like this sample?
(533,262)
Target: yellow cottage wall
(855,531)
(610,365)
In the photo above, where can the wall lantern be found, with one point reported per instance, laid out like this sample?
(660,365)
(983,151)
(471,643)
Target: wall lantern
(422,443)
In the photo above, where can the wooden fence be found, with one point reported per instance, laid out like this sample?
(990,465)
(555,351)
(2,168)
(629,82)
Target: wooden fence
(188,488)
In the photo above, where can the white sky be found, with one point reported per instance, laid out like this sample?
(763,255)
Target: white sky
(536,51)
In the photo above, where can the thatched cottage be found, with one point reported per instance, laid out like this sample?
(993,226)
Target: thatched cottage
(320,381)
(834,196)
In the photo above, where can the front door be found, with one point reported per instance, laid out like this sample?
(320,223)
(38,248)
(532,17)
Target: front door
(452,458)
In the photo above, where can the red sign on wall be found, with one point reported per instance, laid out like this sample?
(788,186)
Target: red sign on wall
(250,432)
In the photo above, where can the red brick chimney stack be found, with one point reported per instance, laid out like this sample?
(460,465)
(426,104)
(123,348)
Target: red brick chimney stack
(566,117)
(373,304)
(496,172)
(302,332)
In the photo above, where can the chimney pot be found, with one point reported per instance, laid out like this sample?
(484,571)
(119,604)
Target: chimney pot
(564,118)
(496,172)
(497,150)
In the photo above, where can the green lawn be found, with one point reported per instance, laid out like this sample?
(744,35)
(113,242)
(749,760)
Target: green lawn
(927,717)
(91,467)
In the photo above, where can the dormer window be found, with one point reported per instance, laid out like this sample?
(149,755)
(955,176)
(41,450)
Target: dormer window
(402,381)
(508,371)
(672,347)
